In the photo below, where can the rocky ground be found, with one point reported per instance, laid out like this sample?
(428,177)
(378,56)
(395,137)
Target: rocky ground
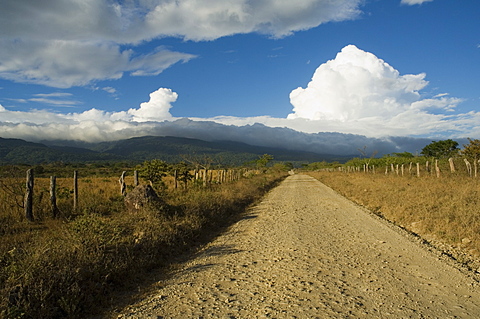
(307,252)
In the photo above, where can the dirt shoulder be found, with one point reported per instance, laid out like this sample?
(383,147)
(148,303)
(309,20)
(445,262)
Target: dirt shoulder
(307,252)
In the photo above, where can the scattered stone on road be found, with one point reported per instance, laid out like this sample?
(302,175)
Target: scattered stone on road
(307,252)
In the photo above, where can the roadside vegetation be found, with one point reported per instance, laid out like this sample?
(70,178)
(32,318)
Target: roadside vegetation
(69,266)
(440,205)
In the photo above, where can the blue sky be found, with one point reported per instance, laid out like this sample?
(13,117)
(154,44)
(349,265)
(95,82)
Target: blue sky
(81,69)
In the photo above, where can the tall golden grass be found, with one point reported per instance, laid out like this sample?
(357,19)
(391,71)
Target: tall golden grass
(69,266)
(444,211)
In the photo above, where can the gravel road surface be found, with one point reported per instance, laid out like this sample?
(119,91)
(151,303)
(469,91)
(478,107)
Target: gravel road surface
(307,252)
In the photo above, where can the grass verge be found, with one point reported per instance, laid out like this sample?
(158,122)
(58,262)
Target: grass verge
(444,211)
(69,268)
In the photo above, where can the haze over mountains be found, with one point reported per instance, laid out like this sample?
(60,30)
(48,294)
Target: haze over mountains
(225,144)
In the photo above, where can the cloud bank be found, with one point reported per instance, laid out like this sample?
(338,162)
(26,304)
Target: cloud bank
(65,43)
(358,96)
(63,64)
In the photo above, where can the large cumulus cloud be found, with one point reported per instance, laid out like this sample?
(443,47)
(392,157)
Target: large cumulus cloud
(359,92)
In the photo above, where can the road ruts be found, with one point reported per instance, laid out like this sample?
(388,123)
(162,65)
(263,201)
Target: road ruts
(307,252)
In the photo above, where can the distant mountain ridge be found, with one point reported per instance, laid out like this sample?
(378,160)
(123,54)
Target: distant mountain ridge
(138,149)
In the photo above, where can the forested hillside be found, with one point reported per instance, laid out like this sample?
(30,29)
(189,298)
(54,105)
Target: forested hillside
(169,149)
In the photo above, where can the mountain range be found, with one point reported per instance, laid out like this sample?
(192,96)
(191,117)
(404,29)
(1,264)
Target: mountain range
(138,149)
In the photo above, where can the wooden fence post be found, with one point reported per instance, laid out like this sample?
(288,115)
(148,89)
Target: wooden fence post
(75,190)
(418,169)
(452,166)
(135,178)
(29,195)
(123,186)
(53,196)
(475,168)
(403,169)
(175,179)
(469,167)
(437,169)
(205,177)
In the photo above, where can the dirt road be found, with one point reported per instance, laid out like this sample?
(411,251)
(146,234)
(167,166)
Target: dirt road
(307,252)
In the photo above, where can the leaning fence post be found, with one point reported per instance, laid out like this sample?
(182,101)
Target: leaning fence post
(123,186)
(75,190)
(29,195)
(53,196)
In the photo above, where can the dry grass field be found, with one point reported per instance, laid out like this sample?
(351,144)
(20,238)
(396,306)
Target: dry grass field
(445,211)
(69,266)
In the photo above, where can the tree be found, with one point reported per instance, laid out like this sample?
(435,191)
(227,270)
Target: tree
(201,161)
(288,166)
(183,173)
(363,151)
(263,161)
(441,149)
(472,149)
(153,171)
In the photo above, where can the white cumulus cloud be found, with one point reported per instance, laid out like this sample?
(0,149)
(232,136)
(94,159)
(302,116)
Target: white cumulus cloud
(359,92)
(157,108)
(354,85)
